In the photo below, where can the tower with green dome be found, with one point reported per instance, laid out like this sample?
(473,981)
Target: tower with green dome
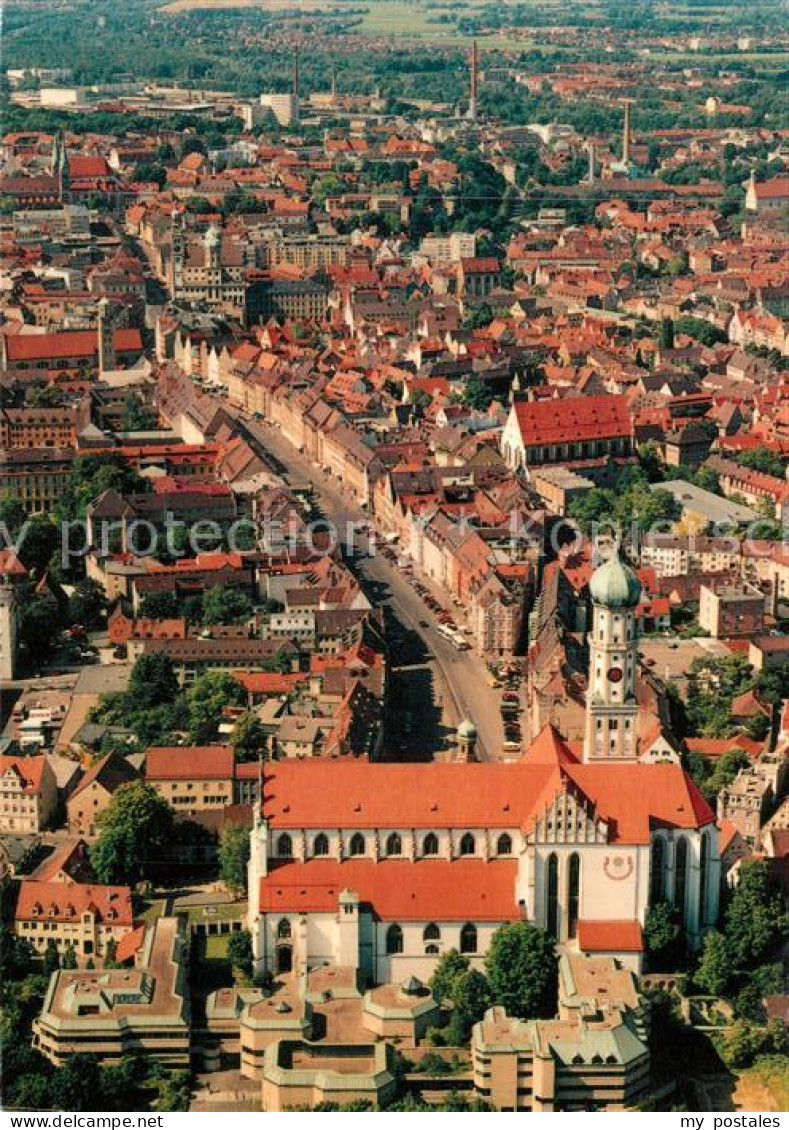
(611,707)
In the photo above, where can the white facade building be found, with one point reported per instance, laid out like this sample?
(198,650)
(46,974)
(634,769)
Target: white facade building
(385,866)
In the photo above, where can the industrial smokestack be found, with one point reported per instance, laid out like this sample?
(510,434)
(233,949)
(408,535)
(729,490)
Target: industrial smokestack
(472,102)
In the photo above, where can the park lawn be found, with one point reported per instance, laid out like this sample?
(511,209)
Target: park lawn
(765,1086)
(210,962)
(216,947)
(223,912)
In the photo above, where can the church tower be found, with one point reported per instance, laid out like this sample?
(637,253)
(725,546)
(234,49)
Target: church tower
(177,252)
(106,337)
(611,707)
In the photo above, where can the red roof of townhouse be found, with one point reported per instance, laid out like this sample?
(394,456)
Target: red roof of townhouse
(83,167)
(776,188)
(610,935)
(183,763)
(68,344)
(269,682)
(480,266)
(714,748)
(67,902)
(573,419)
(465,890)
(29,769)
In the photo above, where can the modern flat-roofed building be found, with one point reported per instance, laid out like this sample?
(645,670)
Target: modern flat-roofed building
(731,611)
(593,1056)
(115,1012)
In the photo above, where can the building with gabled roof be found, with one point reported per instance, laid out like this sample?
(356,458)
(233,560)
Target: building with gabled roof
(83,915)
(95,791)
(573,428)
(28,794)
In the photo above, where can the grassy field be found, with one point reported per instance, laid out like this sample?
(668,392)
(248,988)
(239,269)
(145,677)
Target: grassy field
(408,18)
(765,1086)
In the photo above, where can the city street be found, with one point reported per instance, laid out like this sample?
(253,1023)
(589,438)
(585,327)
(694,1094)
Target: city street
(447,685)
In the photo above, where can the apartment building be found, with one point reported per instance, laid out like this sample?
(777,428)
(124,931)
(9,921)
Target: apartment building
(83,915)
(192,779)
(28,794)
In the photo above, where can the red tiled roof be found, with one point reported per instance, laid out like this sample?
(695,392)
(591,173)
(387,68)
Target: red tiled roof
(714,748)
(70,343)
(620,935)
(82,167)
(129,945)
(30,769)
(770,189)
(67,902)
(573,419)
(166,763)
(728,831)
(10,565)
(269,682)
(631,798)
(460,890)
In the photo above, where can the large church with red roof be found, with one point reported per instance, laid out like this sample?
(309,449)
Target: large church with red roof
(383,867)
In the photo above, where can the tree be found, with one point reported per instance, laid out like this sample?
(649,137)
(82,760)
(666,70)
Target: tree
(663,939)
(451,965)
(764,460)
(159,605)
(70,957)
(234,849)
(223,605)
(17,956)
(471,995)
(137,417)
(93,475)
(110,953)
(87,604)
(755,921)
(239,951)
(477,395)
(135,829)
(76,1085)
(725,770)
(522,968)
(38,540)
(153,681)
(666,333)
(714,968)
(207,698)
(51,958)
(39,625)
(12,516)
(478,317)
(249,738)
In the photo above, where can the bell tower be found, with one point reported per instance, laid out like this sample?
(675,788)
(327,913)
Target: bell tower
(611,706)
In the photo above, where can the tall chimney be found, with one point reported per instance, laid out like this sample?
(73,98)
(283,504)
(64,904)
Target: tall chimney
(296,77)
(626,135)
(591,149)
(472,102)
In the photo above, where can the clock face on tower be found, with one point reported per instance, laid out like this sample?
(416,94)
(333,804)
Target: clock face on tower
(614,674)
